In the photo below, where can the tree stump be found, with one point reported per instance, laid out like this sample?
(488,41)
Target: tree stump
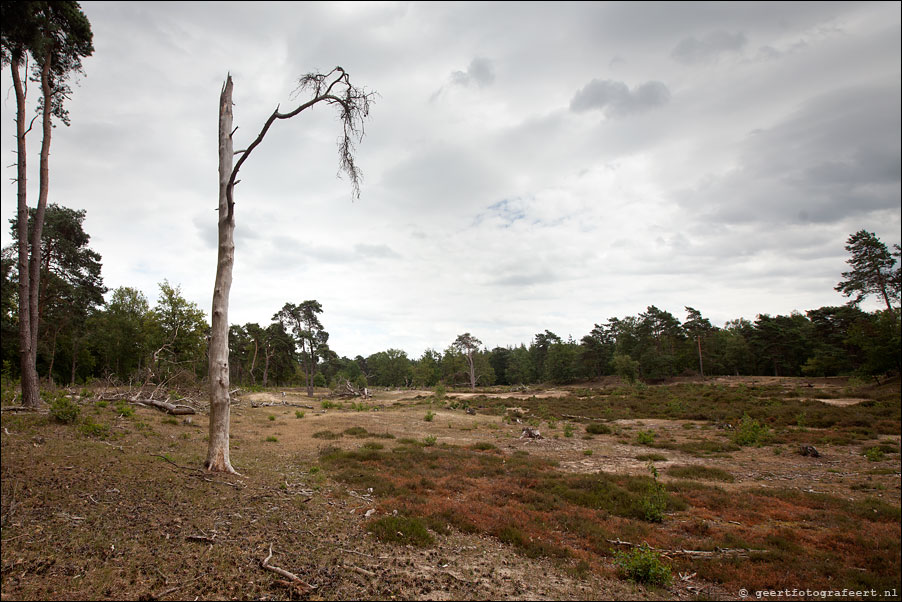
(809,450)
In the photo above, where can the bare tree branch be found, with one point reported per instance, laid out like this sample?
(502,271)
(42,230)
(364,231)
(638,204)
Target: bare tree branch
(355,107)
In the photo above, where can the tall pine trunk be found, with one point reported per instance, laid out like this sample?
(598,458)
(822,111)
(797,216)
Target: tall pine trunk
(218,449)
(30,267)
(30,392)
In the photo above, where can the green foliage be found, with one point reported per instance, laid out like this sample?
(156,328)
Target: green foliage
(125,410)
(750,432)
(645,437)
(440,392)
(271,439)
(298,414)
(643,565)
(63,409)
(598,428)
(401,529)
(568,430)
(872,270)
(873,454)
(429,440)
(429,416)
(655,501)
(89,428)
(625,367)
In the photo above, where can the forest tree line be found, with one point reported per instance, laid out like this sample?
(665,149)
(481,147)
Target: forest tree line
(126,339)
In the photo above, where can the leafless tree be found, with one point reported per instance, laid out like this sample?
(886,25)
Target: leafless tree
(333,88)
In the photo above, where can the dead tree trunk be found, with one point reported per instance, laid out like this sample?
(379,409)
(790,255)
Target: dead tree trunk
(333,88)
(218,447)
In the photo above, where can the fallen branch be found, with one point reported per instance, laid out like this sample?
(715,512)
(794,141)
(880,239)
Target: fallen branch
(23,409)
(359,570)
(737,552)
(169,408)
(294,579)
(572,417)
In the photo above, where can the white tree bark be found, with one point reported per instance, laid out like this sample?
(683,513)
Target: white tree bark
(218,448)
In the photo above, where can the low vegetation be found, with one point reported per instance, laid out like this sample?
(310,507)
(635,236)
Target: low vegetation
(617,506)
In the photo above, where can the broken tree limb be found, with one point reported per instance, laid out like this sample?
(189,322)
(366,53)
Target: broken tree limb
(169,408)
(737,552)
(294,579)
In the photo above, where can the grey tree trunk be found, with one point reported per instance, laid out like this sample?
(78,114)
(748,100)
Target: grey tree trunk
(218,447)
(472,370)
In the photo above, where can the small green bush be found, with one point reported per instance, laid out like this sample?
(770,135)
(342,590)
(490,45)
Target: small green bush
(64,410)
(272,418)
(568,430)
(298,414)
(873,454)
(272,439)
(654,501)
(643,565)
(597,428)
(751,432)
(429,441)
(125,410)
(429,416)
(645,437)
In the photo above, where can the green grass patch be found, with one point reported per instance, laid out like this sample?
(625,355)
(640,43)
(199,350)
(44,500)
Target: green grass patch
(401,529)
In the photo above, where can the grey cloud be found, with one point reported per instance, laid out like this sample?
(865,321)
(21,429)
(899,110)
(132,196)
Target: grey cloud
(836,158)
(616,99)
(710,48)
(480,72)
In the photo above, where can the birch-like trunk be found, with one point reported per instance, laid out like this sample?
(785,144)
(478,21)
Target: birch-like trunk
(218,450)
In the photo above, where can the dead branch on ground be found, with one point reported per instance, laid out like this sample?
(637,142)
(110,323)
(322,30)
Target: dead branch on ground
(293,580)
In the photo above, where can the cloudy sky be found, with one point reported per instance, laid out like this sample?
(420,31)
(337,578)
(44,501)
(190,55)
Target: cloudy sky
(527,166)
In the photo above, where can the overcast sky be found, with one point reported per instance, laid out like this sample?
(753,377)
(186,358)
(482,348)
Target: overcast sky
(527,166)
